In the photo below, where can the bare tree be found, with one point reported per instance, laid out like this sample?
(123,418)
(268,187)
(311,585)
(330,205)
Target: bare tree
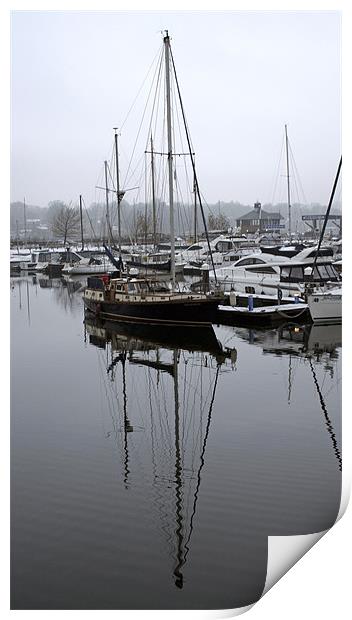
(140,226)
(218,222)
(66,223)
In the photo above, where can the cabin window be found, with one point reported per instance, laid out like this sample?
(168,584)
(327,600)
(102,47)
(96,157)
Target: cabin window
(296,273)
(322,272)
(262,269)
(245,261)
(331,271)
(322,252)
(223,246)
(195,247)
(250,290)
(250,261)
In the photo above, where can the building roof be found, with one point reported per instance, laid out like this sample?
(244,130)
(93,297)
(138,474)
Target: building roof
(264,215)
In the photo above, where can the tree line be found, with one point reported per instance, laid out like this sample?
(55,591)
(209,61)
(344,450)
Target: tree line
(63,221)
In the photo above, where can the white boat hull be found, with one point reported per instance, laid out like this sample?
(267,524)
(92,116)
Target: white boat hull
(325,307)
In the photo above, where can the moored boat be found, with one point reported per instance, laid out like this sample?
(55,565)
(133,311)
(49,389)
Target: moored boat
(142,299)
(145,300)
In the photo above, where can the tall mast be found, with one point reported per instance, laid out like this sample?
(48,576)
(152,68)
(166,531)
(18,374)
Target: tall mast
(288,186)
(153,191)
(322,232)
(24,219)
(18,249)
(169,155)
(194,170)
(107,199)
(118,193)
(195,209)
(81,218)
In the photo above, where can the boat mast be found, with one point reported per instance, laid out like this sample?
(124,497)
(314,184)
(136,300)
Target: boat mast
(153,191)
(107,200)
(169,155)
(24,220)
(288,187)
(195,208)
(118,193)
(18,249)
(191,154)
(327,215)
(81,218)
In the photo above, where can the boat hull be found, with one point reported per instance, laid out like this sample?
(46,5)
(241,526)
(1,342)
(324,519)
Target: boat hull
(325,308)
(174,312)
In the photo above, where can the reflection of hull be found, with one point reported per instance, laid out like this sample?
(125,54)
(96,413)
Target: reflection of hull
(192,338)
(54,269)
(289,339)
(325,338)
(22,266)
(175,312)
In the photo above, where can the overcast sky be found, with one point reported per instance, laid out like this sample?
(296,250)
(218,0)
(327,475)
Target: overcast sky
(244,75)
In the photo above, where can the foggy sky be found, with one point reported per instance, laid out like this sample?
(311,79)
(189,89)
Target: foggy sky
(244,75)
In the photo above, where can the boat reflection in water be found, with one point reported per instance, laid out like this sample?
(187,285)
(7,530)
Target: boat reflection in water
(216,514)
(178,453)
(313,344)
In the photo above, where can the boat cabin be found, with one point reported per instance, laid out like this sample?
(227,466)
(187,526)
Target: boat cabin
(137,286)
(321,273)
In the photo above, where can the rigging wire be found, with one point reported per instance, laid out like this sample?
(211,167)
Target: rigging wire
(139,129)
(161,49)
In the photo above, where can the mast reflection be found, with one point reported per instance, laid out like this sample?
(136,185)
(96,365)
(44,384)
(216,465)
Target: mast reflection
(188,350)
(313,343)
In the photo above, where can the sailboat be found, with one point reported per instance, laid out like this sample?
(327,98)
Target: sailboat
(141,299)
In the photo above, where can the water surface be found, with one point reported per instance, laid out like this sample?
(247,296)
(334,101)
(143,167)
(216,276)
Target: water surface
(148,473)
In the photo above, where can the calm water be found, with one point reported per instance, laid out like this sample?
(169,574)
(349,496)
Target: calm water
(146,475)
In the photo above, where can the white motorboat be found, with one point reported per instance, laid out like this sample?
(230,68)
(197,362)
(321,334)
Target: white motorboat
(80,265)
(265,274)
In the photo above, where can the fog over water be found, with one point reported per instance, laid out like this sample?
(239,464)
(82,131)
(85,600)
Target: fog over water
(244,75)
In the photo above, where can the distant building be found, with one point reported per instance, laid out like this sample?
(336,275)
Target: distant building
(259,220)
